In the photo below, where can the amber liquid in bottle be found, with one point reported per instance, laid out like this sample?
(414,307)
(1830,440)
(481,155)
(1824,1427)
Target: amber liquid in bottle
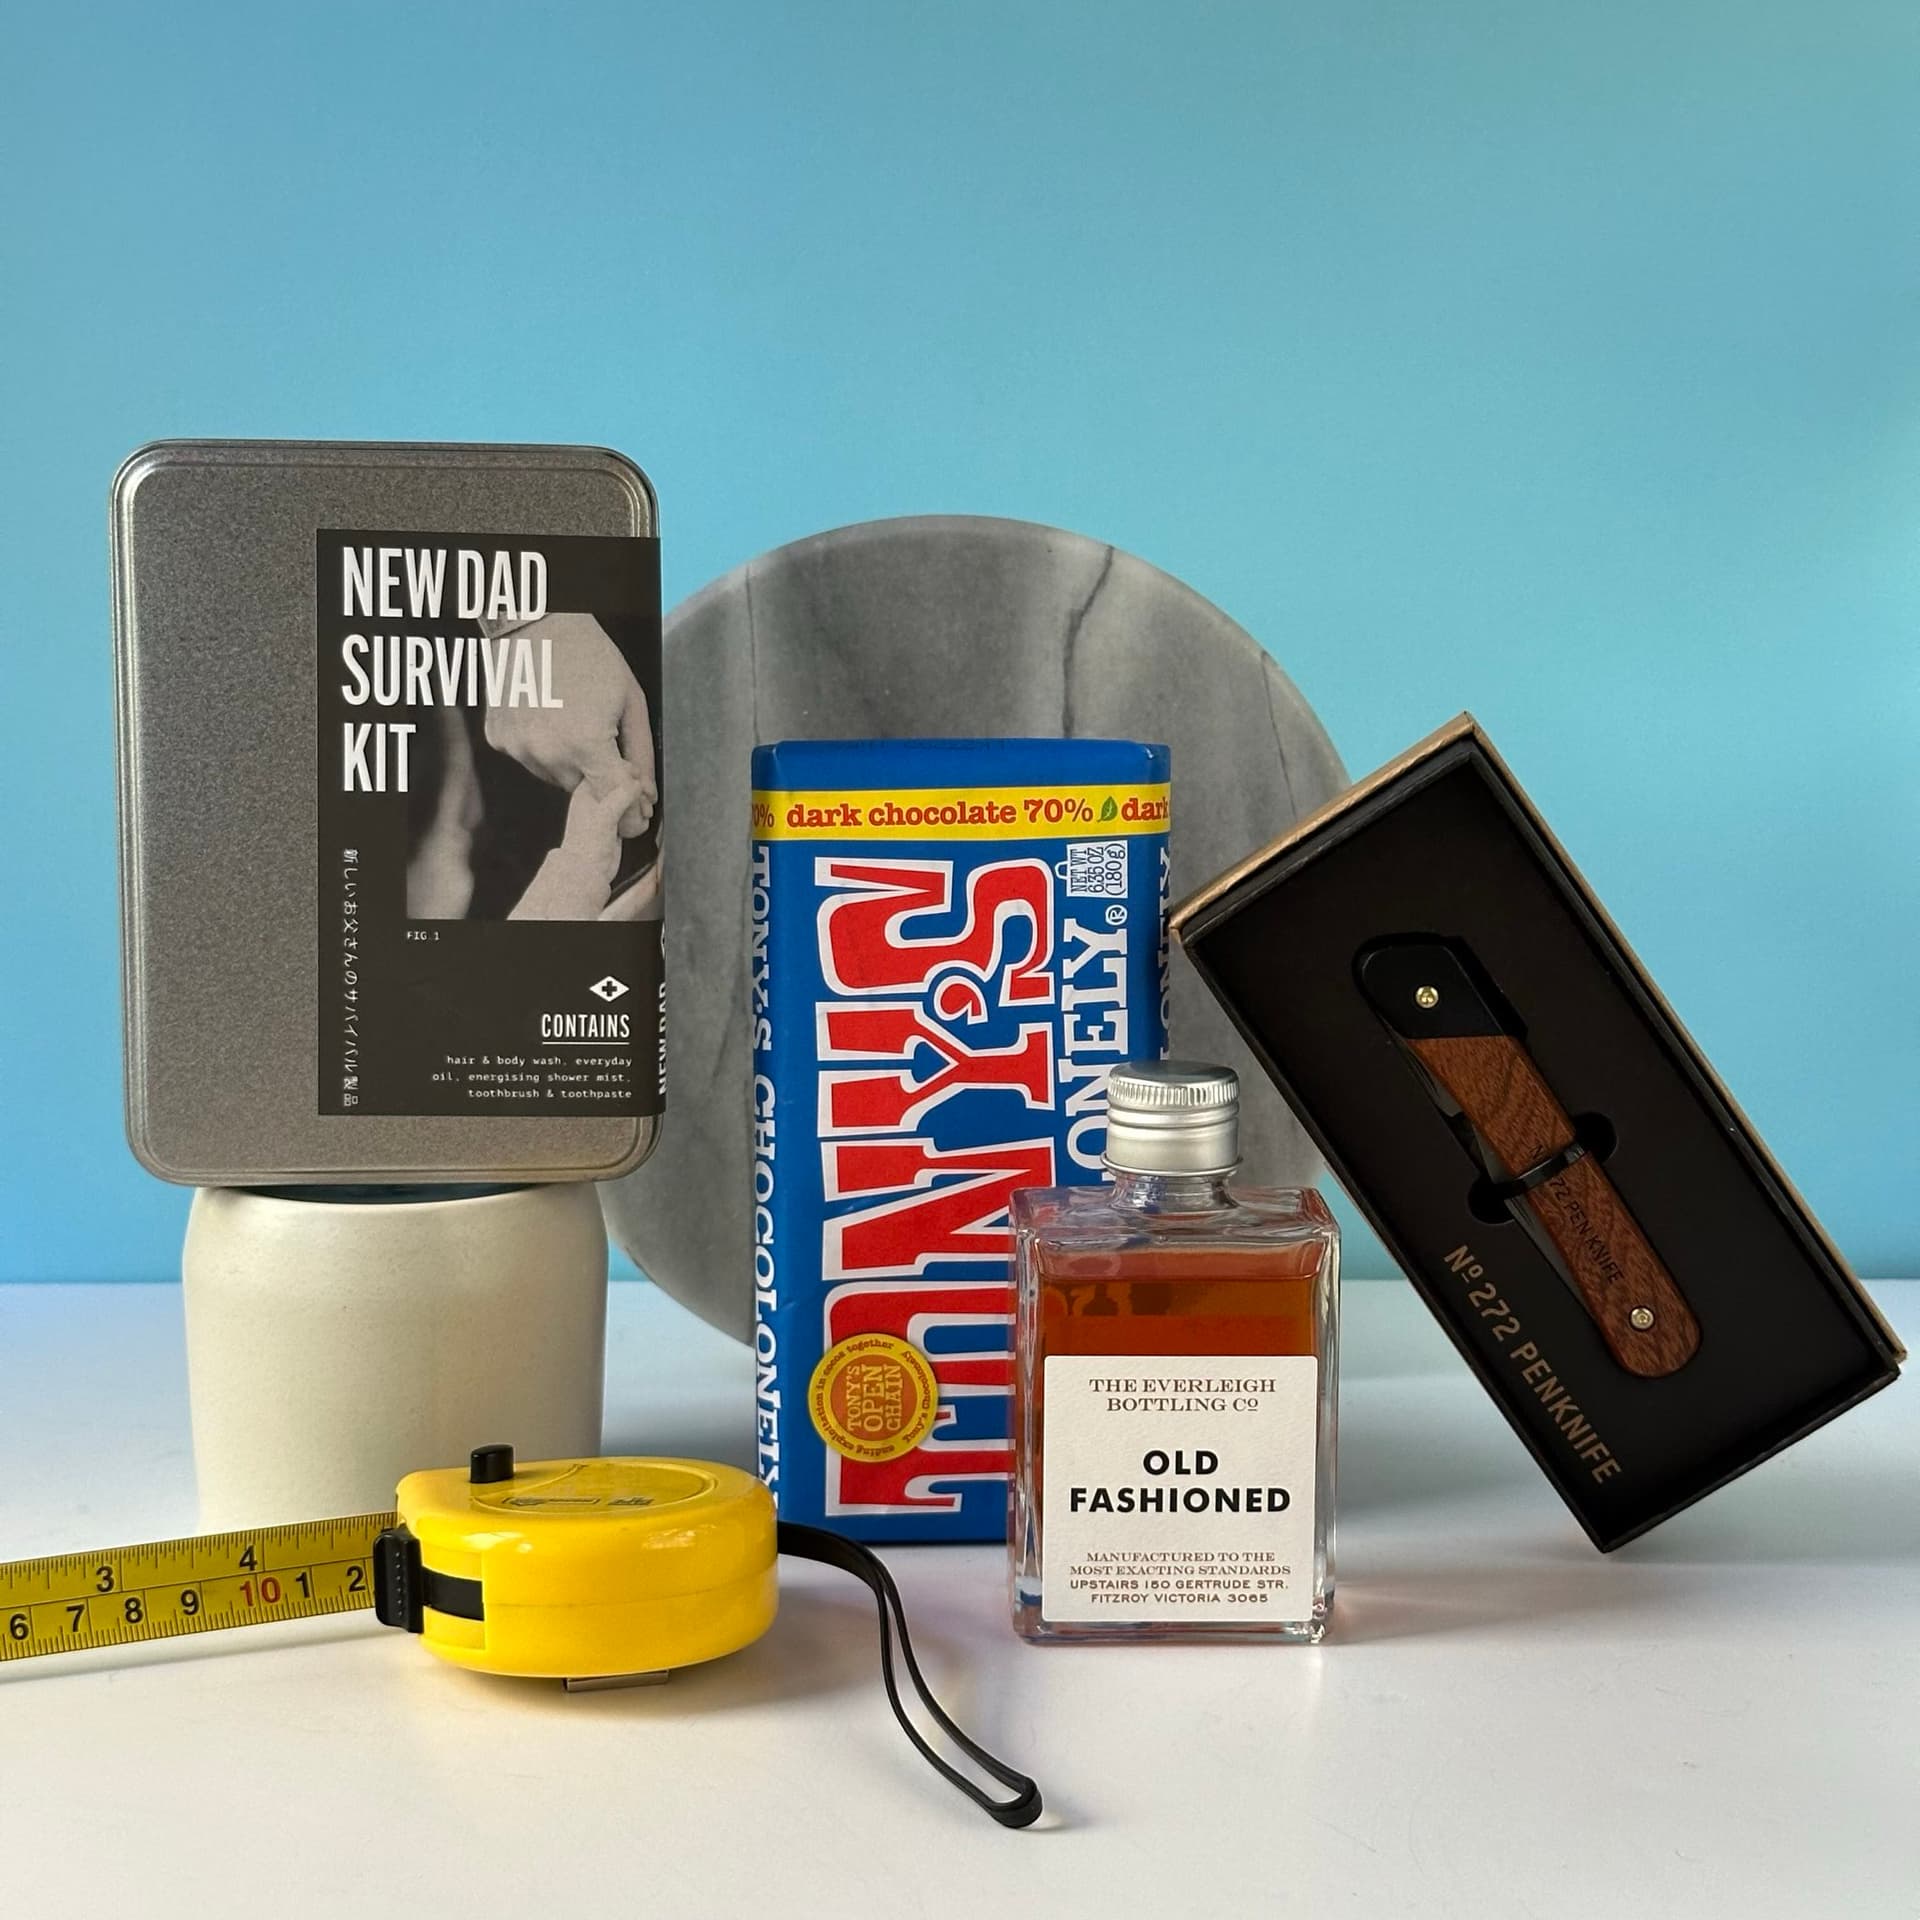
(1175,1360)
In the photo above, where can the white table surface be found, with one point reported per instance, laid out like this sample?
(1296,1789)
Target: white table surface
(1721,1719)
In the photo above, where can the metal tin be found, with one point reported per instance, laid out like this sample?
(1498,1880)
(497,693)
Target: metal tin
(233,1073)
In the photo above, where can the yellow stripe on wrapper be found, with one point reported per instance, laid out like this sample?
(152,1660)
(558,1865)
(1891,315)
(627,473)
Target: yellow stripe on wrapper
(959,813)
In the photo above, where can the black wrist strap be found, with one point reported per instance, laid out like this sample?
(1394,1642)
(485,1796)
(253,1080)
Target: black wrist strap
(834,1550)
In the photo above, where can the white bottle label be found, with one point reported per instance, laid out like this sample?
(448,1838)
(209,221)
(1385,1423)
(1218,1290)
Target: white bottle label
(1177,1488)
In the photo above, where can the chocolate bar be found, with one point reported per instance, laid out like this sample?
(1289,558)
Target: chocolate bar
(953,943)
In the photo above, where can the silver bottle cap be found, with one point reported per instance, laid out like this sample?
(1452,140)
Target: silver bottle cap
(1173,1116)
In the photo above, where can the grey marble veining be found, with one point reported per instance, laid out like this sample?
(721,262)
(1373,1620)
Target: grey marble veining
(935,626)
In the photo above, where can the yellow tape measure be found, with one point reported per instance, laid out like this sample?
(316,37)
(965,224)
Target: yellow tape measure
(576,1570)
(595,1572)
(579,1570)
(199,1585)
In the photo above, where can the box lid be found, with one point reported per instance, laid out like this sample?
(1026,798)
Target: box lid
(1436,991)
(255,997)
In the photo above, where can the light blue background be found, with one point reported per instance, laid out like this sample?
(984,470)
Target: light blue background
(1561,361)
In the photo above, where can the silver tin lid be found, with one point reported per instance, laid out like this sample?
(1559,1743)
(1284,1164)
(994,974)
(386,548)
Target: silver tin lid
(1173,1116)
(214,556)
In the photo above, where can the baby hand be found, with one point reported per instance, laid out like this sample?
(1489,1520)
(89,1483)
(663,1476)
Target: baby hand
(576,877)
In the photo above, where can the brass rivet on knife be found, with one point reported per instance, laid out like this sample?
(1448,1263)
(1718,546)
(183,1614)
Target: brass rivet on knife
(1640,1319)
(1426,997)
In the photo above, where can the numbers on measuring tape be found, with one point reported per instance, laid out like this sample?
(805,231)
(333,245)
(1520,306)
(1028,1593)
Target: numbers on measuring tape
(186,1586)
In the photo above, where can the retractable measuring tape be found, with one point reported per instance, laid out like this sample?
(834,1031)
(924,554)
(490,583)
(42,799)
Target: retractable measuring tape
(599,1573)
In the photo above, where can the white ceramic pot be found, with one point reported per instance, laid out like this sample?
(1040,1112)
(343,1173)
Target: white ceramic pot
(338,1338)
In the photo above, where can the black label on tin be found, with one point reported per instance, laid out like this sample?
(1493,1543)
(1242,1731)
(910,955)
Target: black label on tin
(489,815)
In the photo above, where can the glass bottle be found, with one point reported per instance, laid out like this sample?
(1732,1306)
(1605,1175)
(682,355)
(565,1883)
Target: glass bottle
(1174,1384)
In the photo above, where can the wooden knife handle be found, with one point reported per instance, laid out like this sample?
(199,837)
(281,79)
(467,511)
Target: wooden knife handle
(1496,1085)
(1452,1018)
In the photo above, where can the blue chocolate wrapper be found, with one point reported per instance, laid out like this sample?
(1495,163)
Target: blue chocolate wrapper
(953,944)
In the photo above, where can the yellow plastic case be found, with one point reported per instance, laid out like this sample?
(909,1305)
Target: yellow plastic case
(580,1569)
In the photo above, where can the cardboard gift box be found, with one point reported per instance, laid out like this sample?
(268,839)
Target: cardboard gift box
(1496,1081)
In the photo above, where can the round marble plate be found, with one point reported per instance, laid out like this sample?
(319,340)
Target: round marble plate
(928,627)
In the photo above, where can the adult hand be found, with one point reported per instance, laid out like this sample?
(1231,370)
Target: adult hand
(601,731)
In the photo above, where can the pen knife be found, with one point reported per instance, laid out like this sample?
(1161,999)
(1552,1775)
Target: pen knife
(1470,1049)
